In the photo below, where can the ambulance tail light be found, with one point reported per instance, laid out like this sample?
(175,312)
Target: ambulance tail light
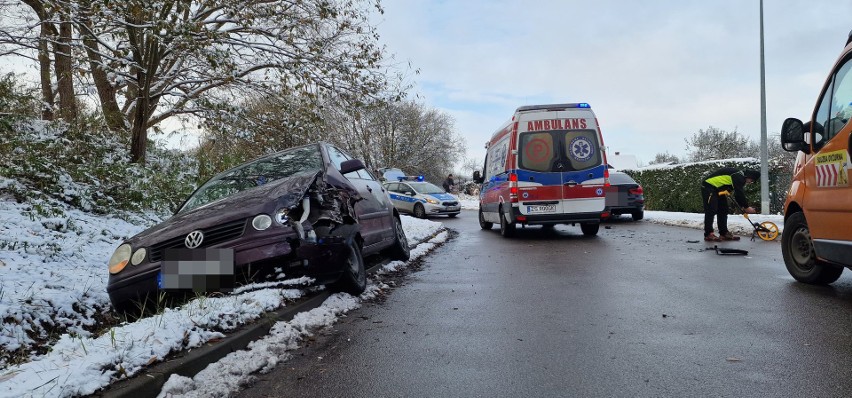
(605,214)
(513,187)
(606,178)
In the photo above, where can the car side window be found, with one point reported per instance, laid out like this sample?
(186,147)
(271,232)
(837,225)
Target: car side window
(835,106)
(336,157)
(841,102)
(403,188)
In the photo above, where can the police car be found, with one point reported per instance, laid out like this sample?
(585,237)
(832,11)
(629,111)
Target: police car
(415,196)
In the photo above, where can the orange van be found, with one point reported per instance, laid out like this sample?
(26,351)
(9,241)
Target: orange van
(817,238)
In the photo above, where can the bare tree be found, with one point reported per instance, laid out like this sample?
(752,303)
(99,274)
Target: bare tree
(50,33)
(665,158)
(153,60)
(714,143)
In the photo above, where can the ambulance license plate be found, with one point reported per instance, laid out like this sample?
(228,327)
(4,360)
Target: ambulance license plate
(541,209)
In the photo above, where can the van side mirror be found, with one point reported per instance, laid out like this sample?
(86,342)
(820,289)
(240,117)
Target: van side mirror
(351,165)
(793,136)
(477,177)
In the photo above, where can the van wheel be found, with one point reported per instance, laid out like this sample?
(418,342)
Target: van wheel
(354,278)
(482,223)
(419,211)
(799,256)
(590,229)
(507,229)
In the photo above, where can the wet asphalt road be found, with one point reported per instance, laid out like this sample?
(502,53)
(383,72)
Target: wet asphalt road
(635,311)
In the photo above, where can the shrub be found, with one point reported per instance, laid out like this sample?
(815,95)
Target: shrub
(678,187)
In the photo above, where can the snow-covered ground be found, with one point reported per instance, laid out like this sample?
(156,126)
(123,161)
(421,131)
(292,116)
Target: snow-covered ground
(737,224)
(54,277)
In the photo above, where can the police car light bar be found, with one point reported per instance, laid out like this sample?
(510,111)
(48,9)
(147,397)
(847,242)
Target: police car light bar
(410,178)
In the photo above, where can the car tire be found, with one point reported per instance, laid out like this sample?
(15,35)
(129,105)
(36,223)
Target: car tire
(797,248)
(507,229)
(638,215)
(452,215)
(419,211)
(354,277)
(484,224)
(399,250)
(590,229)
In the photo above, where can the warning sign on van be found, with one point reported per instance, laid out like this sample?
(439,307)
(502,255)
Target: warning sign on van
(832,169)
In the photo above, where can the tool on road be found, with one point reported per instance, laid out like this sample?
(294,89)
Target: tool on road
(724,250)
(766,230)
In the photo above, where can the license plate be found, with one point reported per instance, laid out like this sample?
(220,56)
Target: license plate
(541,209)
(452,208)
(201,270)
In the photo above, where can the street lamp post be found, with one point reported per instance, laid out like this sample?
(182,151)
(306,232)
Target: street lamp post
(764,152)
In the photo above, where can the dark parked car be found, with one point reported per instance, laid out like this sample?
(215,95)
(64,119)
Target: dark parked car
(307,211)
(624,196)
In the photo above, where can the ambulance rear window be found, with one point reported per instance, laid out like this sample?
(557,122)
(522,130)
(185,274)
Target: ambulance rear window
(559,150)
(581,146)
(537,151)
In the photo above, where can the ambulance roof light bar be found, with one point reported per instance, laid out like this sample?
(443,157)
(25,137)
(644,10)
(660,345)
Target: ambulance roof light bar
(553,107)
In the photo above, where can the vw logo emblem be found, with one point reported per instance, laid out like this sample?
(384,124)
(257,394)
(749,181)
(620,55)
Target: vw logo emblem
(194,239)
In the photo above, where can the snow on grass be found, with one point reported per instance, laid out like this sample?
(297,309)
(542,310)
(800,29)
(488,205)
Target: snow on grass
(231,373)
(468,202)
(42,286)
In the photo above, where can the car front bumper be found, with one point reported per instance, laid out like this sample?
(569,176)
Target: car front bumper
(321,261)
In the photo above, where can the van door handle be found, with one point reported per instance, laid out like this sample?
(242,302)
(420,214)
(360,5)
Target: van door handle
(571,183)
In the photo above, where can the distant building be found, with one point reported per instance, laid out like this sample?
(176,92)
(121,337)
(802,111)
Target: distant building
(620,161)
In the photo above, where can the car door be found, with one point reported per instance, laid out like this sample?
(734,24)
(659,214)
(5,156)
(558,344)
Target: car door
(369,210)
(396,196)
(829,205)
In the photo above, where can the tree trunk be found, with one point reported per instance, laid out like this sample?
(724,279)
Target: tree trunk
(44,72)
(106,91)
(64,69)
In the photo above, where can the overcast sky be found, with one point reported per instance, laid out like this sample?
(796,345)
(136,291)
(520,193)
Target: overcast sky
(654,71)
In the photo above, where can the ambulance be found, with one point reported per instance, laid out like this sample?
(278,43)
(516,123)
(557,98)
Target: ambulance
(817,240)
(545,166)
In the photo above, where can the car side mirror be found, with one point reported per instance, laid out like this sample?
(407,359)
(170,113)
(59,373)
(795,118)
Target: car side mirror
(477,177)
(793,136)
(351,165)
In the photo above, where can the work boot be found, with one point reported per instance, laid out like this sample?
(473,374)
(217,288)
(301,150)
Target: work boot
(711,237)
(729,236)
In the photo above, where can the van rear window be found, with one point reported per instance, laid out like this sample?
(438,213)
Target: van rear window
(559,151)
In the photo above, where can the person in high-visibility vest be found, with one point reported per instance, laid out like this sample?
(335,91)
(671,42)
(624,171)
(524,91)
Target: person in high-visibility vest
(714,188)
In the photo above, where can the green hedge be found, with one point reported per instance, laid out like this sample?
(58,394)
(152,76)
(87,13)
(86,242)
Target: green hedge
(678,187)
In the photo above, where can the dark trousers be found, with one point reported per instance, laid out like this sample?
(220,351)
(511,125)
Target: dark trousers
(714,205)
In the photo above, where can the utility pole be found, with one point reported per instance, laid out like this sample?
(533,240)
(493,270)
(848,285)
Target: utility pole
(764,151)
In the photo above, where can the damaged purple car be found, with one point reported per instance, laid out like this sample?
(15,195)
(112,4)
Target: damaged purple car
(306,211)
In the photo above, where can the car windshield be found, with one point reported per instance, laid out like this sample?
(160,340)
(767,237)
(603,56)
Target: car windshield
(426,187)
(259,172)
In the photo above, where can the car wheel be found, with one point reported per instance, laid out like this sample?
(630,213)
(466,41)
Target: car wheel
(452,215)
(399,250)
(507,229)
(590,229)
(638,215)
(354,278)
(482,223)
(797,249)
(419,211)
